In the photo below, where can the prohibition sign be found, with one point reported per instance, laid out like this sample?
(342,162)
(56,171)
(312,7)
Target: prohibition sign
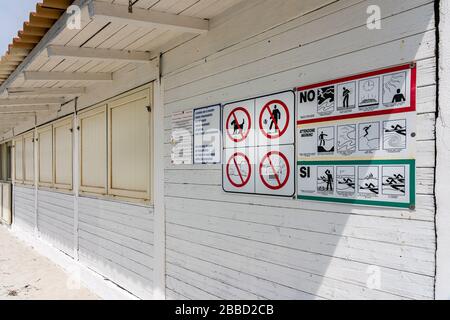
(233,162)
(275,121)
(269,157)
(232,116)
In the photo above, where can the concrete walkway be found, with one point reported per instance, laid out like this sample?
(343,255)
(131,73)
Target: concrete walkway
(24,274)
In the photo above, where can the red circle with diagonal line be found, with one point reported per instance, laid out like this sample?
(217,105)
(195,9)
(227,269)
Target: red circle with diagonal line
(268,157)
(232,116)
(233,161)
(266,108)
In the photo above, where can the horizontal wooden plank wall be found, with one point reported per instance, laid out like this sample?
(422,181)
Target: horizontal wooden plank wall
(23,208)
(56,219)
(116,240)
(228,246)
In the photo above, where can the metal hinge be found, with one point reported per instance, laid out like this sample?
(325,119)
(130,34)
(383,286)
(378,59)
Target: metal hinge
(149,108)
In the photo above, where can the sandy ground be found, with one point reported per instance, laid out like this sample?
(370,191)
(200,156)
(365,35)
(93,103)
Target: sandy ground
(24,274)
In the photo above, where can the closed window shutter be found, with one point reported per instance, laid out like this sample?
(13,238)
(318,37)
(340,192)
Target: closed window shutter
(129,146)
(63,153)
(18,160)
(93,150)
(29,158)
(45,153)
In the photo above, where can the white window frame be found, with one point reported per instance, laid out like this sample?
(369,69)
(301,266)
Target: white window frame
(107,191)
(48,128)
(27,136)
(117,103)
(56,125)
(99,109)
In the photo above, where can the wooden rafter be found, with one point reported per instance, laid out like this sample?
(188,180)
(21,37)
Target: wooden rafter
(18,91)
(98,54)
(66,76)
(28,102)
(107,12)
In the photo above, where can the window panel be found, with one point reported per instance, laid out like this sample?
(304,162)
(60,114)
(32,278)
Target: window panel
(28,153)
(93,151)
(4,162)
(63,153)
(45,156)
(18,160)
(129,146)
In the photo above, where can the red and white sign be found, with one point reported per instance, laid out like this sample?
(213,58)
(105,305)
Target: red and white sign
(239,124)
(276,119)
(259,140)
(275,174)
(382,92)
(239,170)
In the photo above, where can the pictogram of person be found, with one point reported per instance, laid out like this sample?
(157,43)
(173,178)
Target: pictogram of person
(276,116)
(329,180)
(399,97)
(366,130)
(346,95)
(322,141)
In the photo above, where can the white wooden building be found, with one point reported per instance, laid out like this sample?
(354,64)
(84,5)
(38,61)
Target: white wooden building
(86,114)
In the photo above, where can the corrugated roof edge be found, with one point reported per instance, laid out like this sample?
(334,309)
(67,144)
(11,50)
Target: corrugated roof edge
(34,30)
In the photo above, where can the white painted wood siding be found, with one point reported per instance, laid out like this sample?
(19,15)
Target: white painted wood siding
(116,240)
(23,208)
(231,246)
(56,219)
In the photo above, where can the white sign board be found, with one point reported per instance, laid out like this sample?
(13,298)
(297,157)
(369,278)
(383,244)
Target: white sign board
(239,170)
(239,125)
(207,135)
(275,119)
(386,91)
(391,136)
(259,136)
(181,137)
(369,182)
(275,171)
(357,137)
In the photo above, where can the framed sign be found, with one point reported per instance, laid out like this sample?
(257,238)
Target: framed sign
(259,148)
(357,139)
(207,135)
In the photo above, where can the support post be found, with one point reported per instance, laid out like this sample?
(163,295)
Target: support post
(75,179)
(36,173)
(159,276)
(442,289)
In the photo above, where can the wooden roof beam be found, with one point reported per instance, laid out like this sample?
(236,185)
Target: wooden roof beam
(57,4)
(48,13)
(108,12)
(18,52)
(17,43)
(12,59)
(98,54)
(22,109)
(7,118)
(4,69)
(67,76)
(34,101)
(32,31)
(6,62)
(36,21)
(24,38)
(18,91)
